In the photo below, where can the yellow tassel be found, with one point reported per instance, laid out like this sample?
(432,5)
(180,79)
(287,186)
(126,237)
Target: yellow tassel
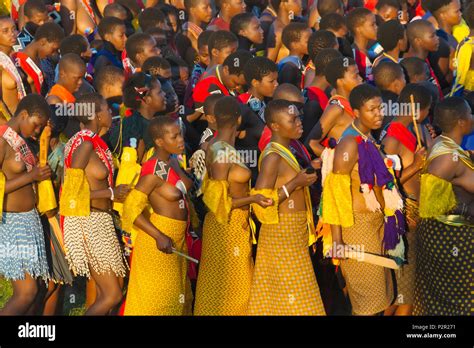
(2,192)
(134,204)
(46,196)
(337,200)
(268,215)
(75,195)
(436,196)
(217,200)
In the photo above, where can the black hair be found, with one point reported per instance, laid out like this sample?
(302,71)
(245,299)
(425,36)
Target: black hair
(275,107)
(106,76)
(390,33)
(32,6)
(421,95)
(150,17)
(221,39)
(226,111)
(323,58)
(113,8)
(157,126)
(436,5)
(108,25)
(203,39)
(191,3)
(257,68)
(336,69)
(240,22)
(34,105)
(154,63)
(449,111)
(50,31)
(132,95)
(134,44)
(417,28)
(292,33)
(388,3)
(413,66)
(386,72)
(70,59)
(236,61)
(285,91)
(320,40)
(468,15)
(210,103)
(75,43)
(276,4)
(361,94)
(357,17)
(333,21)
(326,7)
(82,114)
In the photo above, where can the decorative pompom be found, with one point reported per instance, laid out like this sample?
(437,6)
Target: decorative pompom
(128,112)
(332,143)
(392,198)
(388,162)
(398,254)
(369,197)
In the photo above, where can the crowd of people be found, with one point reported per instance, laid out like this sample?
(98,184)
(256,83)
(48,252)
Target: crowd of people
(192,157)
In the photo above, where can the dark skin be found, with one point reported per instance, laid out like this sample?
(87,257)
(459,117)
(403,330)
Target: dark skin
(451,169)
(369,117)
(275,172)
(8,34)
(108,285)
(334,119)
(20,197)
(237,176)
(166,199)
(412,163)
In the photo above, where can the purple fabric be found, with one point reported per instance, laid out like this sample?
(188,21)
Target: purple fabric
(402,228)
(380,169)
(390,237)
(366,170)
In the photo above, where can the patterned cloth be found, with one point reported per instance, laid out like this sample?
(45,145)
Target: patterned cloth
(284,282)
(91,242)
(158,282)
(444,274)
(225,271)
(369,286)
(406,276)
(22,246)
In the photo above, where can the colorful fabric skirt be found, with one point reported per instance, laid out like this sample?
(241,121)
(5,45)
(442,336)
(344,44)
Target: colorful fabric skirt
(158,282)
(406,275)
(284,282)
(22,246)
(226,266)
(370,287)
(91,243)
(444,270)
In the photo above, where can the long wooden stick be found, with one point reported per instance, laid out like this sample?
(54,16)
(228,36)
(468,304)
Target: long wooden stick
(185,256)
(418,138)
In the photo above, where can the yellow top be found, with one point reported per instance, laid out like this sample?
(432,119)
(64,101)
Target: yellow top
(436,196)
(133,206)
(217,199)
(461,31)
(75,194)
(337,200)
(464,73)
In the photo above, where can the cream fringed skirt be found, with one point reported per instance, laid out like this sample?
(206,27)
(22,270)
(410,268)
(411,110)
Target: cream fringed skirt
(91,242)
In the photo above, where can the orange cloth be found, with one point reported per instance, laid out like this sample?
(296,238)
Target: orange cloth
(62,93)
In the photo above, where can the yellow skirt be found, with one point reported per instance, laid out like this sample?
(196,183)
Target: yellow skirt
(158,282)
(284,282)
(225,271)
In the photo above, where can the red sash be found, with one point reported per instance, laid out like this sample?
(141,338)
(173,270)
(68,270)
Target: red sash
(9,67)
(402,134)
(100,148)
(316,93)
(363,63)
(19,146)
(30,68)
(201,91)
(435,79)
